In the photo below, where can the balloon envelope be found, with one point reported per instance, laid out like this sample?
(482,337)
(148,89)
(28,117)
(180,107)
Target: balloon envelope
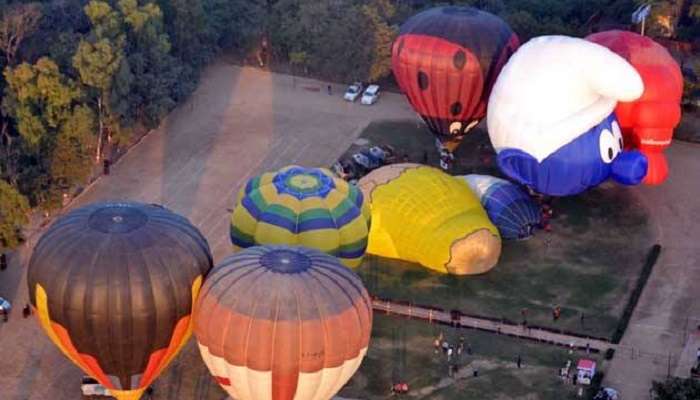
(648,122)
(282,323)
(509,207)
(421,214)
(113,286)
(551,116)
(446,59)
(302,206)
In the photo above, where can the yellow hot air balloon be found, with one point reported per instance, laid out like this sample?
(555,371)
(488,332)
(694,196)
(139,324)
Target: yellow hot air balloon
(302,206)
(421,214)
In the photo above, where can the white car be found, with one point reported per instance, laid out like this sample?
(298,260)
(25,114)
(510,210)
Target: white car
(353,92)
(370,95)
(90,387)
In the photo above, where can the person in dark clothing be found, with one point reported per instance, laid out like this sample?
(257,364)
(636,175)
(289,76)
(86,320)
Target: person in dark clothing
(26,311)
(330,90)
(519,361)
(3,261)
(425,157)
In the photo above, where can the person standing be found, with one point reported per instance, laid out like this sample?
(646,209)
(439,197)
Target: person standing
(519,361)
(330,90)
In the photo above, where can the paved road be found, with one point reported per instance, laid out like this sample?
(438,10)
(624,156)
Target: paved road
(669,309)
(492,326)
(239,122)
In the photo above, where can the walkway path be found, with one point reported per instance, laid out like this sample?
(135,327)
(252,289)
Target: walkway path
(502,328)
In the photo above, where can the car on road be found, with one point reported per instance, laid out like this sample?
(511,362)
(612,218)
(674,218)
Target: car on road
(371,95)
(353,91)
(90,387)
(5,308)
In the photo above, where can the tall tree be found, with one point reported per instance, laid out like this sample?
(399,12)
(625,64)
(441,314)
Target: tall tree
(379,12)
(18,22)
(97,59)
(56,129)
(14,210)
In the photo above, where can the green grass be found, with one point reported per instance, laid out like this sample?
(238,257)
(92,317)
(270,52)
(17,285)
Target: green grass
(588,264)
(493,355)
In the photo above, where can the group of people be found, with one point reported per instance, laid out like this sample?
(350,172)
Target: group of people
(450,350)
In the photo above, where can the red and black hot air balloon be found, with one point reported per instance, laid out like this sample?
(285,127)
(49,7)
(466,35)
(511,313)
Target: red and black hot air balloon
(113,286)
(648,122)
(446,60)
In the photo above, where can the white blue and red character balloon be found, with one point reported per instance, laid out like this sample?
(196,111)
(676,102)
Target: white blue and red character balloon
(551,116)
(446,60)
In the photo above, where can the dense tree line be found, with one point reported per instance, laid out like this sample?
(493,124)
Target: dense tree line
(79,77)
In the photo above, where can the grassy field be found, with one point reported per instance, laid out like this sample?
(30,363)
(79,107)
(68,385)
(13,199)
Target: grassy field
(402,350)
(588,263)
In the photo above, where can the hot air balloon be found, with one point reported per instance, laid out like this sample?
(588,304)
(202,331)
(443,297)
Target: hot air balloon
(302,206)
(446,59)
(648,122)
(113,286)
(551,117)
(509,207)
(421,214)
(282,323)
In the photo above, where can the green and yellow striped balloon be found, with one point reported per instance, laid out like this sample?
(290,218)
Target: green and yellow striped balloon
(302,206)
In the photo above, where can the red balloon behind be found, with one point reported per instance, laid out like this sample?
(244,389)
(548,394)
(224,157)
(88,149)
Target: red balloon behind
(648,123)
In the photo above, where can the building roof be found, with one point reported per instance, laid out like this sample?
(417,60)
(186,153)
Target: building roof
(586,364)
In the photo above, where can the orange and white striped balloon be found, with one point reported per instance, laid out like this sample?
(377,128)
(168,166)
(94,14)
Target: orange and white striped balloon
(282,323)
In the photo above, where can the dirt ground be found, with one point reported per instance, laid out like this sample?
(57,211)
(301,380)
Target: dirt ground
(239,122)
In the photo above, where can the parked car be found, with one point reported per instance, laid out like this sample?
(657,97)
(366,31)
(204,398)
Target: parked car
(607,394)
(5,308)
(371,95)
(90,387)
(353,91)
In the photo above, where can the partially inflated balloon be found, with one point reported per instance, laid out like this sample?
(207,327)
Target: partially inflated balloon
(113,286)
(551,116)
(648,122)
(421,214)
(302,206)
(446,60)
(509,207)
(282,323)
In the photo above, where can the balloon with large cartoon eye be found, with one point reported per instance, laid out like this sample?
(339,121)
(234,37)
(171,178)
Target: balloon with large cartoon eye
(551,116)
(446,60)
(648,122)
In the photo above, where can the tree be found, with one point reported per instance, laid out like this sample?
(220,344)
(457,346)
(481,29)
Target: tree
(378,12)
(97,59)
(18,22)
(55,127)
(676,389)
(155,87)
(14,209)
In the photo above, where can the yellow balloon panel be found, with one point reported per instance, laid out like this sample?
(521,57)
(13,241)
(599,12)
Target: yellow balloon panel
(421,214)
